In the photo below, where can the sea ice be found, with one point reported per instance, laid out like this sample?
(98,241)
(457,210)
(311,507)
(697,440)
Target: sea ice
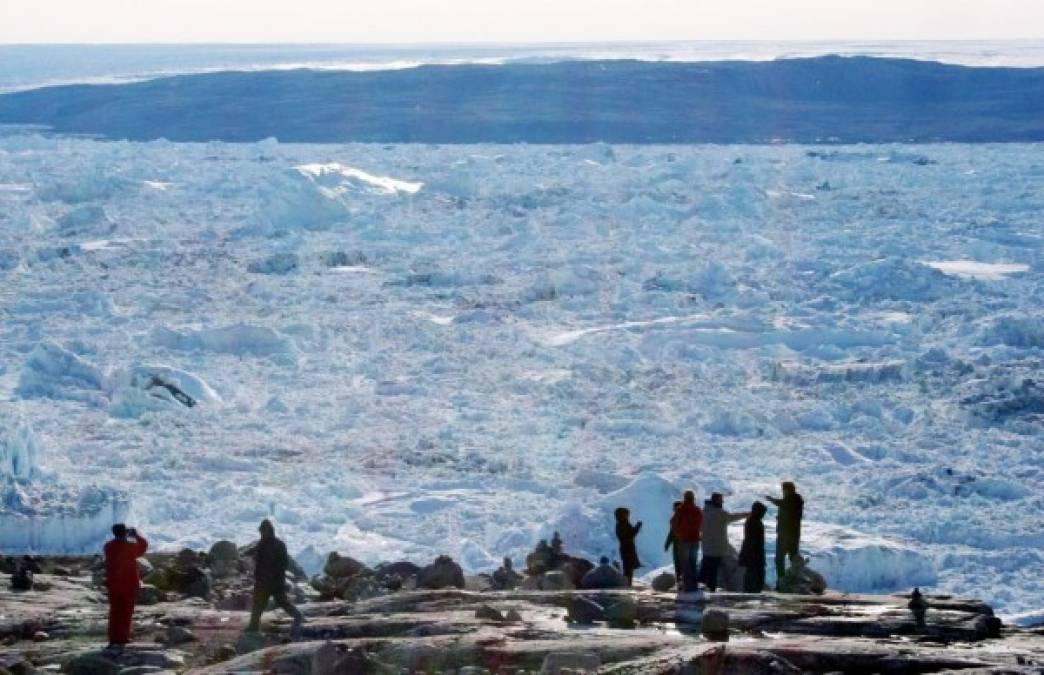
(532,337)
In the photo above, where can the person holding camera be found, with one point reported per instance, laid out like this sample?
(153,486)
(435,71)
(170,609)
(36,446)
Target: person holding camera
(122,581)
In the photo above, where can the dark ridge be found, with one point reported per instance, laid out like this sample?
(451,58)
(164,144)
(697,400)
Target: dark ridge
(827,99)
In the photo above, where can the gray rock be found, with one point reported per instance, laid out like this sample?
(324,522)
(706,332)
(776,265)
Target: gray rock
(179,635)
(513,616)
(604,577)
(800,578)
(622,611)
(488,613)
(223,558)
(342,567)
(715,625)
(249,642)
(563,663)
(583,610)
(337,659)
(664,582)
(443,573)
(99,662)
(149,595)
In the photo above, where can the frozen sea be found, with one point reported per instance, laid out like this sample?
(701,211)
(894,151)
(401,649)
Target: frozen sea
(403,350)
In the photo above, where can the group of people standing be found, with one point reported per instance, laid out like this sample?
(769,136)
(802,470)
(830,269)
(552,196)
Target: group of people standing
(690,526)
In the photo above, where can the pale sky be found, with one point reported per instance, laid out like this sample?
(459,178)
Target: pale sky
(411,21)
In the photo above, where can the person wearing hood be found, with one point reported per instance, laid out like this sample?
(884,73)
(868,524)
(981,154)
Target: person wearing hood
(685,526)
(626,533)
(270,564)
(752,552)
(715,537)
(122,581)
(672,546)
(788,527)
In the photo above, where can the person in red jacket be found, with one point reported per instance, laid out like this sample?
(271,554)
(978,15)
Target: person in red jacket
(686,524)
(121,579)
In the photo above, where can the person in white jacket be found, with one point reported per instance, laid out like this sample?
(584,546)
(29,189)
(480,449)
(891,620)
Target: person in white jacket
(715,537)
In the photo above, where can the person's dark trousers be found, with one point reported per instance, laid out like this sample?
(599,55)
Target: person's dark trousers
(709,571)
(678,567)
(754,578)
(784,548)
(261,596)
(689,554)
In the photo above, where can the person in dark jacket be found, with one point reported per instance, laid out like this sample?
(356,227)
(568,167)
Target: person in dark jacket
(685,525)
(788,527)
(626,533)
(122,581)
(752,551)
(670,544)
(270,564)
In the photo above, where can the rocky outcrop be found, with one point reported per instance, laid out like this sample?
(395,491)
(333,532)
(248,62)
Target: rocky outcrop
(443,573)
(59,625)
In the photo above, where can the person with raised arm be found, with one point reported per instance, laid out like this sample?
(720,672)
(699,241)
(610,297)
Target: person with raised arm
(122,581)
(715,537)
(626,533)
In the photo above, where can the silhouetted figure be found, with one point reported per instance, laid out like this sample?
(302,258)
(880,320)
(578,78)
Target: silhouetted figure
(270,565)
(542,559)
(22,576)
(669,543)
(788,528)
(715,537)
(626,533)
(752,551)
(556,546)
(122,581)
(506,578)
(685,525)
(919,606)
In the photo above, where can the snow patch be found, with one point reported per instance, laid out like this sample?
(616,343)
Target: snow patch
(972,269)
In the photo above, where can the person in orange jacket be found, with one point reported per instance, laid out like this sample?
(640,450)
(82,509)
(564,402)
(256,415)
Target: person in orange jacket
(686,524)
(121,579)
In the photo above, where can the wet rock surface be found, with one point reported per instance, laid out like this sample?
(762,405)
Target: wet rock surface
(452,630)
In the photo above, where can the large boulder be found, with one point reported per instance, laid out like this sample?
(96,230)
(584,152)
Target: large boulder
(664,582)
(149,595)
(190,579)
(223,558)
(442,573)
(342,566)
(584,610)
(715,625)
(621,610)
(604,576)
(550,581)
(800,578)
(575,569)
